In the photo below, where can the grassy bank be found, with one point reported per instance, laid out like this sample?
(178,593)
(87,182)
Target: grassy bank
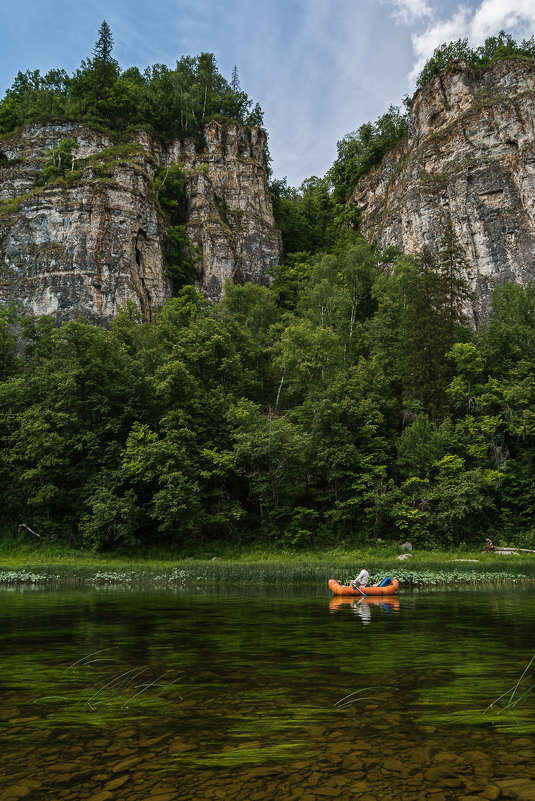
(221,563)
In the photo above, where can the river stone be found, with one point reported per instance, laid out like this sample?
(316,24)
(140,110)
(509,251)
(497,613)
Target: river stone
(126,764)
(22,789)
(428,729)
(150,741)
(126,734)
(179,745)
(100,742)
(468,798)
(327,791)
(301,764)
(333,757)
(350,763)
(260,772)
(491,792)
(391,764)
(447,757)
(297,778)
(439,773)
(425,795)
(421,756)
(223,792)
(115,783)
(358,787)
(517,789)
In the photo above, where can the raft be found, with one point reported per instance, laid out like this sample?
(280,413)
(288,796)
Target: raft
(347,589)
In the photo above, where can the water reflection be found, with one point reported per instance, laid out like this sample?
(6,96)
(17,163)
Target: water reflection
(362,607)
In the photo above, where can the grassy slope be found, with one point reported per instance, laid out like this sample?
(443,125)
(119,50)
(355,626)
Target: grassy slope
(251,563)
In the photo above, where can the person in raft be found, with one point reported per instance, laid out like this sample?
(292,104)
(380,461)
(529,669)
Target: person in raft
(362,578)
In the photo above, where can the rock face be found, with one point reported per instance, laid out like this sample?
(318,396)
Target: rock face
(468,160)
(230,215)
(89,245)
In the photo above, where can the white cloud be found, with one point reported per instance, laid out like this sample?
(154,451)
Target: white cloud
(410,10)
(495,15)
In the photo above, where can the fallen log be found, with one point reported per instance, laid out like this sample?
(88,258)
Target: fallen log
(23,525)
(490,547)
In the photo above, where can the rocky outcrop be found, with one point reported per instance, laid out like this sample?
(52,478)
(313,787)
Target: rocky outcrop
(468,161)
(91,243)
(230,215)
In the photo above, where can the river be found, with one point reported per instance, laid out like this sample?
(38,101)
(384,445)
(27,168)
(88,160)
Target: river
(114,693)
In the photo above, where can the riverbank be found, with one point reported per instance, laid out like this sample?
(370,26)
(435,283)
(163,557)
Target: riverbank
(255,564)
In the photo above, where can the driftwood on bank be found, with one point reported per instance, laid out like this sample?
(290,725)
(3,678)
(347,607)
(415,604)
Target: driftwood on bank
(23,525)
(490,547)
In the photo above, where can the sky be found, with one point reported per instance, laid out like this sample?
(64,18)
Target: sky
(318,68)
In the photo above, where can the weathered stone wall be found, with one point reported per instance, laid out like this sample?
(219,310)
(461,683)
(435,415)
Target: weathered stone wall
(230,214)
(468,160)
(88,246)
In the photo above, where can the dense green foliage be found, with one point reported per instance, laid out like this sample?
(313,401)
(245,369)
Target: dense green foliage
(349,402)
(172,102)
(495,48)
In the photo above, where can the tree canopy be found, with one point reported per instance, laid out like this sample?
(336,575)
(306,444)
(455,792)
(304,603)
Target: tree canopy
(172,101)
(495,48)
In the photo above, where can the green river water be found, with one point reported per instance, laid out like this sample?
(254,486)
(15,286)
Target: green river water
(113,693)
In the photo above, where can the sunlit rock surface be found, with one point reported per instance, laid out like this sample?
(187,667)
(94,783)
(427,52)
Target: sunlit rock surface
(468,160)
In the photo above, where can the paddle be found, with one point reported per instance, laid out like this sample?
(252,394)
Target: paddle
(350,583)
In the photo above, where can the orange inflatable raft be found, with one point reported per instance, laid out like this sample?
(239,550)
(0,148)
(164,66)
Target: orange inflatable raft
(347,589)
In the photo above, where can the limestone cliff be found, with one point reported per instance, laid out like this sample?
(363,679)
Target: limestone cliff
(90,243)
(468,160)
(230,215)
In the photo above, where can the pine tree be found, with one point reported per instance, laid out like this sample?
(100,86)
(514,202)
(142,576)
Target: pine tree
(235,80)
(454,271)
(103,71)
(103,45)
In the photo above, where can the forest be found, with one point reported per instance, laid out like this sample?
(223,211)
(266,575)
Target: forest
(350,401)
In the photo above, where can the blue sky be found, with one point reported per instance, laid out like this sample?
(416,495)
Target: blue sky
(318,68)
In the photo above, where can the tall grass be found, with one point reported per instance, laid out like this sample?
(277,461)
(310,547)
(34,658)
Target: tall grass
(34,561)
